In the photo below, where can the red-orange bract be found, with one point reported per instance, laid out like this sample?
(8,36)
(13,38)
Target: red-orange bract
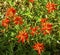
(34,30)
(46,27)
(39,47)
(44,20)
(22,36)
(5,22)
(10,12)
(31,1)
(51,7)
(18,20)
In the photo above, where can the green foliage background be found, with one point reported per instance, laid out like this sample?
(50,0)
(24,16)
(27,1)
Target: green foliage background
(31,13)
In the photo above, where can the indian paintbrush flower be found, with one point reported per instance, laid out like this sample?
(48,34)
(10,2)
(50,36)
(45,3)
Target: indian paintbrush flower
(46,27)
(51,7)
(39,47)
(18,20)
(22,36)
(34,30)
(5,22)
(10,12)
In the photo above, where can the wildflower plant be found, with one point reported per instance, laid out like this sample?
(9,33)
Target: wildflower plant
(30,27)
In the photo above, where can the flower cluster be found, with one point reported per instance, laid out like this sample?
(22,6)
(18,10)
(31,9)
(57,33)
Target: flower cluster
(10,12)
(18,20)
(5,22)
(51,7)
(34,30)
(46,26)
(22,36)
(39,47)
(11,16)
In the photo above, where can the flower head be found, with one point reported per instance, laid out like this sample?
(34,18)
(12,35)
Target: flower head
(46,28)
(39,47)
(22,36)
(34,30)
(5,22)
(51,7)
(18,20)
(10,12)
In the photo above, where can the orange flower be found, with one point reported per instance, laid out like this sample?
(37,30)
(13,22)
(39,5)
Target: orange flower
(5,22)
(10,12)
(22,36)
(39,47)
(44,20)
(46,28)
(31,1)
(18,20)
(51,7)
(34,30)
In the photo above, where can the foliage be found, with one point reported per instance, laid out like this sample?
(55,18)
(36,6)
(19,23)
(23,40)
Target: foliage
(25,23)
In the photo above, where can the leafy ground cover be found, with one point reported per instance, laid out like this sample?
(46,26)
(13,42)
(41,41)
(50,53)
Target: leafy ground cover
(29,27)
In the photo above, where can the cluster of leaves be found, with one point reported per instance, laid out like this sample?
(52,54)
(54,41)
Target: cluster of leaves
(31,13)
